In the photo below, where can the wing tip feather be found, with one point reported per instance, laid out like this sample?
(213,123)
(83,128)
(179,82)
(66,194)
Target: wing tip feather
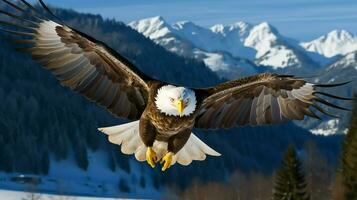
(332,85)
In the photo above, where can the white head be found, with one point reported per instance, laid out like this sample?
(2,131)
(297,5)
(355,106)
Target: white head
(175,101)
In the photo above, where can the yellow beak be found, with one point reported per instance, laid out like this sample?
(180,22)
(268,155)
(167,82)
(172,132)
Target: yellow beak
(180,106)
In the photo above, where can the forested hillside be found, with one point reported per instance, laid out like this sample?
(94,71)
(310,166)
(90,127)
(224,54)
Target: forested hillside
(40,121)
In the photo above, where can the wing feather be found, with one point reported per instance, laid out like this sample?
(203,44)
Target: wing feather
(80,62)
(261,99)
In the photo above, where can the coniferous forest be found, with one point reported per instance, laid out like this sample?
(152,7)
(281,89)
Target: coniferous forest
(42,122)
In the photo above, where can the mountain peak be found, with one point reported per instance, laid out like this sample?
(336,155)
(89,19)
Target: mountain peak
(264,24)
(266,27)
(339,35)
(223,29)
(240,24)
(156,19)
(184,24)
(336,42)
(151,20)
(153,27)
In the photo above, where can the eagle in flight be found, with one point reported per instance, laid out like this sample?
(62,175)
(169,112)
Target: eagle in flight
(163,114)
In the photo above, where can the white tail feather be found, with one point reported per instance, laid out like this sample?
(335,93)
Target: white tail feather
(127,135)
(194,149)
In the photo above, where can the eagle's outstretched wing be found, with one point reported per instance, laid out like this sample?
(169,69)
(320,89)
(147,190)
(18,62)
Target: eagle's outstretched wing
(79,61)
(261,99)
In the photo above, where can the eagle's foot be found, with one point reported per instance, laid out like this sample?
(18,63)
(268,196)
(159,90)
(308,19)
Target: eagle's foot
(151,157)
(166,161)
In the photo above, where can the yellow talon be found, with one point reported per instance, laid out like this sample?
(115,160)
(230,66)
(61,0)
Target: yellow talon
(166,161)
(151,157)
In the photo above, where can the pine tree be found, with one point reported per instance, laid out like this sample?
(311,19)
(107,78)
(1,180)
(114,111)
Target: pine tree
(290,181)
(349,159)
(123,186)
(111,160)
(142,182)
(45,162)
(80,153)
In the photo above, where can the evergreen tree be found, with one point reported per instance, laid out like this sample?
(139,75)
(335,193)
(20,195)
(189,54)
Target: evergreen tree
(45,162)
(81,155)
(349,159)
(123,162)
(290,181)
(111,160)
(142,182)
(123,186)
(6,158)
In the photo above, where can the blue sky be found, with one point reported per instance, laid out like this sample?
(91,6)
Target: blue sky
(301,19)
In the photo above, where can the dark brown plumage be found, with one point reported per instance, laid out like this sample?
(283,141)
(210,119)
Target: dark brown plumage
(96,71)
(261,99)
(171,129)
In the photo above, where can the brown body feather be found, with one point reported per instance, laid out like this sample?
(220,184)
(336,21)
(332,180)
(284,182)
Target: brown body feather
(155,125)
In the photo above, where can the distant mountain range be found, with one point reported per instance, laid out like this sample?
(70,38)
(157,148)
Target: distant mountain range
(241,48)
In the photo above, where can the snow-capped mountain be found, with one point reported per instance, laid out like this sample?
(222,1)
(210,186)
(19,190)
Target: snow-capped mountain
(336,42)
(217,38)
(260,44)
(189,40)
(274,49)
(163,34)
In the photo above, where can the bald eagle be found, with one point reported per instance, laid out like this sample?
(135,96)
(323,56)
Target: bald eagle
(163,114)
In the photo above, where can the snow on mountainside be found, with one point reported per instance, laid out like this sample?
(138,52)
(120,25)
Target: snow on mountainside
(337,42)
(218,38)
(163,34)
(329,127)
(272,48)
(343,69)
(261,44)
(225,64)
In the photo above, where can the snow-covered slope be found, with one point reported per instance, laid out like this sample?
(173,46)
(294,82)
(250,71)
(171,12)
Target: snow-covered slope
(18,195)
(329,127)
(228,38)
(262,44)
(225,64)
(337,42)
(65,177)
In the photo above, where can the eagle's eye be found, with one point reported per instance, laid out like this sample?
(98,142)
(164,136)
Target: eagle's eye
(172,99)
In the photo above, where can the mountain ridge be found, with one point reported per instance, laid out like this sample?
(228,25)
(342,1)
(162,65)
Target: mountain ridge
(262,44)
